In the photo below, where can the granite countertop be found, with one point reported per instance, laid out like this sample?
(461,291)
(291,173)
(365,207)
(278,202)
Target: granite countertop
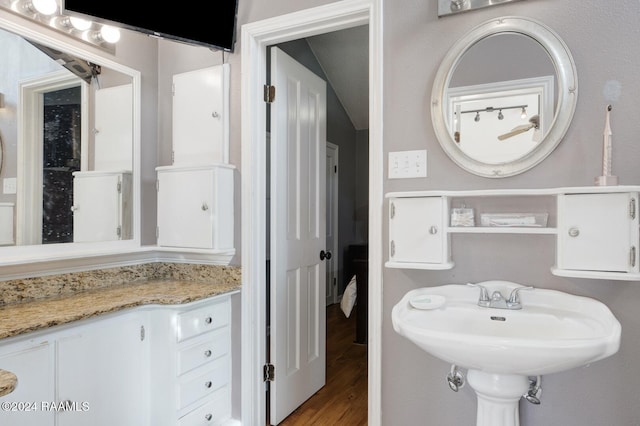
(21,318)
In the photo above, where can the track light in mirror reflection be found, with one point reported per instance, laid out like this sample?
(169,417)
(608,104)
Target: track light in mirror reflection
(500,115)
(477,117)
(523,115)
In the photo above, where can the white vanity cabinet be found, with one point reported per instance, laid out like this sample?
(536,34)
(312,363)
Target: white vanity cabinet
(32,362)
(102,208)
(193,381)
(195,206)
(104,365)
(417,233)
(596,230)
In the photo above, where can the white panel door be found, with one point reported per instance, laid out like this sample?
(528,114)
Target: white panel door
(113,146)
(298,182)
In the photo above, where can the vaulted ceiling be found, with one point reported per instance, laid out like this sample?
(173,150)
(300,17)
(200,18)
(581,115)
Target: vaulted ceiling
(344,58)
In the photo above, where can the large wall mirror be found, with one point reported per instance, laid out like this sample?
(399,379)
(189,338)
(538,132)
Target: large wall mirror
(71,143)
(504,96)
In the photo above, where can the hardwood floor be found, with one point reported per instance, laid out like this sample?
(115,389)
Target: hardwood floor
(343,399)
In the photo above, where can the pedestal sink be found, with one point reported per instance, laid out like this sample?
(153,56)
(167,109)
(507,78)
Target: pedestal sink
(551,332)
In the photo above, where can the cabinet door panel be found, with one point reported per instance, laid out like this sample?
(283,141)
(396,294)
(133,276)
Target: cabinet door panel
(185,208)
(104,366)
(33,366)
(595,232)
(416,230)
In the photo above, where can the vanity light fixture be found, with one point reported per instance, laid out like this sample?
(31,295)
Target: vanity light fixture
(48,13)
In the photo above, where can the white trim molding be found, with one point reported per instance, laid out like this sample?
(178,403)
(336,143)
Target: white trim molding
(255,38)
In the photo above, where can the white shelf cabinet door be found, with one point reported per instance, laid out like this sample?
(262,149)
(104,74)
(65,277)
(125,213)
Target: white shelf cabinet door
(598,232)
(417,230)
(195,207)
(201,116)
(104,365)
(101,206)
(32,363)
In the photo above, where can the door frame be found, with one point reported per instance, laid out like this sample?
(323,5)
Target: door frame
(30,148)
(335,182)
(255,38)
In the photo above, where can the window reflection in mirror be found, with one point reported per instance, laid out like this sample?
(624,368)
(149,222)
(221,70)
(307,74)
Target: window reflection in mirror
(65,120)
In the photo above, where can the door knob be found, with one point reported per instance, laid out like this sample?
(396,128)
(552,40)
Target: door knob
(325,255)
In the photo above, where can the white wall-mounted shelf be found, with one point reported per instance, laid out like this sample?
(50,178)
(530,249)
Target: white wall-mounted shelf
(595,228)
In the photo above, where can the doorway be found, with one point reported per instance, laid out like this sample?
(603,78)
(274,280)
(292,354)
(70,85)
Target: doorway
(256,37)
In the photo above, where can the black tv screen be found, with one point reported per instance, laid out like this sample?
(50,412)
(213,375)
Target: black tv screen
(184,22)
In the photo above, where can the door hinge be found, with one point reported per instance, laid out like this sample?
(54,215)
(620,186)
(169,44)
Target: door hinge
(142,333)
(157,185)
(269,93)
(632,256)
(392,213)
(632,208)
(119,187)
(269,373)
(119,231)
(335,169)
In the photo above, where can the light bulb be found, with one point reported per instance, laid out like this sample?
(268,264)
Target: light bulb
(110,34)
(46,7)
(477,117)
(500,115)
(79,23)
(524,113)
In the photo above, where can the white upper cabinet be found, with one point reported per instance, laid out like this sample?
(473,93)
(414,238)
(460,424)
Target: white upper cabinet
(113,130)
(201,116)
(195,207)
(412,244)
(102,208)
(596,233)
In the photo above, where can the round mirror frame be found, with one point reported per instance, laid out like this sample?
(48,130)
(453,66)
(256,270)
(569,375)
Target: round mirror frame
(567,94)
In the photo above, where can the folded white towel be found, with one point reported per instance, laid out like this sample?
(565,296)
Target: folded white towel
(349,297)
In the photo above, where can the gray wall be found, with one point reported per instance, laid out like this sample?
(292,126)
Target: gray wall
(603,38)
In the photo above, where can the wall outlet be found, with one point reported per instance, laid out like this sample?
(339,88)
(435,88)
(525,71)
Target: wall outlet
(9,185)
(408,164)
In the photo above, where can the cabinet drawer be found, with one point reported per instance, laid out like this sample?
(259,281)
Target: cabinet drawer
(212,346)
(202,320)
(201,385)
(216,410)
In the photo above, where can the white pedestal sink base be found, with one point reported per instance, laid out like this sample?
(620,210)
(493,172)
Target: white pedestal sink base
(498,397)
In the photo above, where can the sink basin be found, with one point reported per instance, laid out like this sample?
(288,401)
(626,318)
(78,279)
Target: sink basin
(552,332)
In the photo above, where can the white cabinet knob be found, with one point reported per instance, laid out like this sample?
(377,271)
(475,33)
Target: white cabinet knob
(574,232)
(433,230)
(205,207)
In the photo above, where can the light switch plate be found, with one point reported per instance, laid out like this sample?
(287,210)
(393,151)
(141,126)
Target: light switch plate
(407,164)
(9,185)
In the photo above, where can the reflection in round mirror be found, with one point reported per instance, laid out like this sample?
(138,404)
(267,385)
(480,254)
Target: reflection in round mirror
(504,97)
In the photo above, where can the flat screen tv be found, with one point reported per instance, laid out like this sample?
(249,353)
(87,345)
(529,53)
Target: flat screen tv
(184,22)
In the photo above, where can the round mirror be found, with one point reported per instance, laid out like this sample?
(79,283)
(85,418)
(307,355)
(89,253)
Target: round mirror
(504,97)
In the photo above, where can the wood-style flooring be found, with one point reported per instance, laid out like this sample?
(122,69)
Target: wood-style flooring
(343,399)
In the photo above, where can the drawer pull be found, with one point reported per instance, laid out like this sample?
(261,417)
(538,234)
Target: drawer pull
(208,417)
(208,320)
(208,384)
(207,353)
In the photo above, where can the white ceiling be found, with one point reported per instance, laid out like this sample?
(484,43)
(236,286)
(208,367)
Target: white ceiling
(344,58)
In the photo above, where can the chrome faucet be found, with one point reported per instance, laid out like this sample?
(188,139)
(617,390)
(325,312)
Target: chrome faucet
(497,300)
